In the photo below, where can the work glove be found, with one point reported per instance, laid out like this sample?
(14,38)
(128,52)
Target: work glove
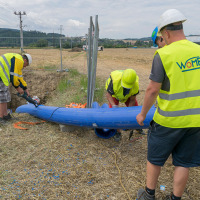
(28,98)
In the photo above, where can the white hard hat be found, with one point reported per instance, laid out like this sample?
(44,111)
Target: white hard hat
(29,58)
(169,17)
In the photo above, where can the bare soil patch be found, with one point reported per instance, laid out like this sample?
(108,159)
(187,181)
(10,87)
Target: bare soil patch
(45,163)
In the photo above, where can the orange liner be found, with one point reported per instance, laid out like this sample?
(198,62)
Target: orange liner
(76,105)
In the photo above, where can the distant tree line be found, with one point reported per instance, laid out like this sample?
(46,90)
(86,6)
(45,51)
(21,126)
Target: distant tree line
(108,43)
(11,38)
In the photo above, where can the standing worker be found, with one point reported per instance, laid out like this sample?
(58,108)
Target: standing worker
(122,86)
(11,71)
(175,128)
(157,38)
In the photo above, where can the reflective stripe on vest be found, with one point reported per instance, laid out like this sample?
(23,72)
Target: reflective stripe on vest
(3,68)
(6,61)
(179,113)
(181,95)
(4,71)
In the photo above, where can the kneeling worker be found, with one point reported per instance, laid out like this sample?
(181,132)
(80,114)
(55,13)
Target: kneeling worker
(122,86)
(11,71)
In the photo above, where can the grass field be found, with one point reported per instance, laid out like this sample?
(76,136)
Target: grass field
(45,163)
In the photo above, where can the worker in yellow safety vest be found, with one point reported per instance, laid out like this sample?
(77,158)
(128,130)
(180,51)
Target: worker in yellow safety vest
(11,65)
(122,86)
(175,129)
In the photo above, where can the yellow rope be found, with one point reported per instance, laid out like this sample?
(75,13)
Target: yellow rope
(120,176)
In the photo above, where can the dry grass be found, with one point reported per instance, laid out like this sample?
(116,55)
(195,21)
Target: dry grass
(45,163)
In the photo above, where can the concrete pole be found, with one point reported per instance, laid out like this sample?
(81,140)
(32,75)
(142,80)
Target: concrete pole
(21,29)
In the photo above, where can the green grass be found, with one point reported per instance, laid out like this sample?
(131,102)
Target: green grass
(73,73)
(73,88)
(48,67)
(99,92)
(63,85)
(83,82)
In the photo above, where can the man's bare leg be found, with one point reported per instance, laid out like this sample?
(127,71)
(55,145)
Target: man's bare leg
(180,180)
(3,109)
(153,172)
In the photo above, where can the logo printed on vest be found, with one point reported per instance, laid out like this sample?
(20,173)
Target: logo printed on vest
(191,64)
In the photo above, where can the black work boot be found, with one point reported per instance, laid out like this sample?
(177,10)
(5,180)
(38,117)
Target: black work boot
(117,137)
(168,197)
(7,117)
(143,195)
(2,121)
(140,131)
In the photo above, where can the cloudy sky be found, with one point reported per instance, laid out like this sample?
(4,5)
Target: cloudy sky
(118,19)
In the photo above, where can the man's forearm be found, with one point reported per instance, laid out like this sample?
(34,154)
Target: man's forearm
(150,97)
(132,101)
(149,100)
(110,99)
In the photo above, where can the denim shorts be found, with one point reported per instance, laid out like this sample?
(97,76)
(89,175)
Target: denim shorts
(4,93)
(182,143)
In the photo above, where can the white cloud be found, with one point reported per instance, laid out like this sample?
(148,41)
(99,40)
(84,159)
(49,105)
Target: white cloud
(72,22)
(117,19)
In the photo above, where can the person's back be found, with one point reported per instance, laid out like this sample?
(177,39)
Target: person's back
(180,62)
(175,128)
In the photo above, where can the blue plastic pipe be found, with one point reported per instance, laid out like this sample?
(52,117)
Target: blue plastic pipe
(95,117)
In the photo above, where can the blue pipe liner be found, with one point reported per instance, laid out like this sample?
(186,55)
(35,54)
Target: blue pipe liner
(96,117)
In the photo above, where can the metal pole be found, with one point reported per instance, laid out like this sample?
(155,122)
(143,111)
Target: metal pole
(94,57)
(61,65)
(21,29)
(61,48)
(21,35)
(90,45)
(61,55)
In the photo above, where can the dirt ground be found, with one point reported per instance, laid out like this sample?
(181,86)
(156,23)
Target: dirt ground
(45,163)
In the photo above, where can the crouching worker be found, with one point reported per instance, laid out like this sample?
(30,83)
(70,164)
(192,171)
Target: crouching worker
(122,86)
(11,65)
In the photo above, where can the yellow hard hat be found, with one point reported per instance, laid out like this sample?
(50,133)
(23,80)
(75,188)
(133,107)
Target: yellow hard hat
(128,78)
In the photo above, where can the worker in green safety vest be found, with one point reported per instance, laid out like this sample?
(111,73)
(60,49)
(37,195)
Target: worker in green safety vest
(122,86)
(175,128)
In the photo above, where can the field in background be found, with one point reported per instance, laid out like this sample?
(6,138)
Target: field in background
(45,163)
(42,79)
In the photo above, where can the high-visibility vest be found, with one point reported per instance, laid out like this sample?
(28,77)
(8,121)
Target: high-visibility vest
(5,67)
(180,107)
(116,77)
